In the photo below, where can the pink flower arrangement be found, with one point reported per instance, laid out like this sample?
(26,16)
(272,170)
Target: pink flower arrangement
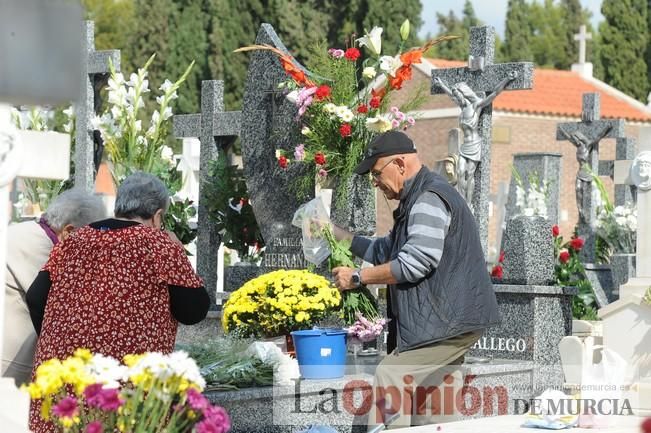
(365,330)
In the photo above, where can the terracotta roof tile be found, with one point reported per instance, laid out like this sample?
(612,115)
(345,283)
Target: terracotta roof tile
(558,93)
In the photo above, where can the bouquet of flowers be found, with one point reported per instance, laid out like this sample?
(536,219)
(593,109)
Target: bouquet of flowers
(531,201)
(569,271)
(131,147)
(279,302)
(618,227)
(341,108)
(92,393)
(360,309)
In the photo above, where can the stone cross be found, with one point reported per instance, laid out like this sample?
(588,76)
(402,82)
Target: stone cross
(482,76)
(585,136)
(582,37)
(95,72)
(216,129)
(618,171)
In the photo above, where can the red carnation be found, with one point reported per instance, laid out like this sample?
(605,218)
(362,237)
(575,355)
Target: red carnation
(497,272)
(564,256)
(322,92)
(556,231)
(576,244)
(374,102)
(352,54)
(320,158)
(282,162)
(244,201)
(646,426)
(345,130)
(363,108)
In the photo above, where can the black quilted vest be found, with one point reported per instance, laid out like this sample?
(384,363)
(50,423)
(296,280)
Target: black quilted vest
(456,297)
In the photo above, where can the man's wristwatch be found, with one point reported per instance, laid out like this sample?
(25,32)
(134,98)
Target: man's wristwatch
(356,278)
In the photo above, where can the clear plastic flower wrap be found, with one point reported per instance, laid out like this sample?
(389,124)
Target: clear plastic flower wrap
(310,217)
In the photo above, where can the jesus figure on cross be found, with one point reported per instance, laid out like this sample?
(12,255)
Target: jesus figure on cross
(584,147)
(470,151)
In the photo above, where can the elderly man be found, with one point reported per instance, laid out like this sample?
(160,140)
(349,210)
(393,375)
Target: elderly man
(28,247)
(440,295)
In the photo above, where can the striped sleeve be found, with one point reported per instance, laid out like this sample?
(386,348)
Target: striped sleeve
(429,221)
(372,250)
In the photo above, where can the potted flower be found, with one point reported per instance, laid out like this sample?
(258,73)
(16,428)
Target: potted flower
(278,302)
(151,392)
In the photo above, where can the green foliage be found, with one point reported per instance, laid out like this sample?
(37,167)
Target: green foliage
(450,24)
(227,203)
(225,365)
(114,22)
(624,39)
(176,219)
(517,32)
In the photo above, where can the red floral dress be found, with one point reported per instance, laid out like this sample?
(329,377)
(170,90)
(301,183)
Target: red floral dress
(109,294)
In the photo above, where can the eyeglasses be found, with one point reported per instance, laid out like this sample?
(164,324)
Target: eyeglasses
(377,173)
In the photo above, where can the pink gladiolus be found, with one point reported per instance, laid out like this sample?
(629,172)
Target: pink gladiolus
(400,116)
(411,120)
(196,400)
(395,123)
(299,152)
(94,427)
(66,408)
(395,110)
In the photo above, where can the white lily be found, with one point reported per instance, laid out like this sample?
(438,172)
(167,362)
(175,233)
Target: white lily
(390,64)
(372,40)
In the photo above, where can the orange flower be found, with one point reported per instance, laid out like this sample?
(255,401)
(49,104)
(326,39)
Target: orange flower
(402,74)
(379,94)
(286,61)
(411,57)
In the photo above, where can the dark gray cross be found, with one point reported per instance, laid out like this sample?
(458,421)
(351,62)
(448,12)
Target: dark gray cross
(585,136)
(617,170)
(216,130)
(95,67)
(482,76)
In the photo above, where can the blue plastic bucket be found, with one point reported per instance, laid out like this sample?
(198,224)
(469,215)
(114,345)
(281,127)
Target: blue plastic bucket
(321,353)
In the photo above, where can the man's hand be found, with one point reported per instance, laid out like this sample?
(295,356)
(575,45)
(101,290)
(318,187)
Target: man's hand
(343,278)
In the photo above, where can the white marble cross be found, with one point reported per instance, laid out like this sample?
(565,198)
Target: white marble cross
(582,37)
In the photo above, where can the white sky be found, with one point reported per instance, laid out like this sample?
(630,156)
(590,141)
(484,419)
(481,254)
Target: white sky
(491,12)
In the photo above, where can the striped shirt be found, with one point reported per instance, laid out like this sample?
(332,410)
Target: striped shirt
(429,221)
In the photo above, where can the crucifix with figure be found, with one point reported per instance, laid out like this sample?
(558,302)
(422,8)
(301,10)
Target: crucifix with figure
(585,136)
(474,88)
(216,130)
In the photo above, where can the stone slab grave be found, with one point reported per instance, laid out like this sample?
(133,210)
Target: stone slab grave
(585,136)
(95,74)
(217,130)
(288,409)
(40,58)
(483,77)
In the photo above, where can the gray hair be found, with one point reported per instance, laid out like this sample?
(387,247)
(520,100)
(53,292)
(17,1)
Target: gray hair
(76,207)
(141,195)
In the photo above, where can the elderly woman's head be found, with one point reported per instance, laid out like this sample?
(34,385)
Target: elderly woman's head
(144,197)
(73,209)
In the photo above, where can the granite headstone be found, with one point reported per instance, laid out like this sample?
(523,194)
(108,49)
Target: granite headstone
(528,251)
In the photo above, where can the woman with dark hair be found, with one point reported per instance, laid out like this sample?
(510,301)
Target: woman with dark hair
(117,286)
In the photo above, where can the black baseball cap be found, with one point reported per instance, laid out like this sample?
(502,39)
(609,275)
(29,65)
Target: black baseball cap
(385,144)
